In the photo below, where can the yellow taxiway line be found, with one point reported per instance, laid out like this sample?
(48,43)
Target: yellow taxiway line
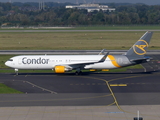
(122,85)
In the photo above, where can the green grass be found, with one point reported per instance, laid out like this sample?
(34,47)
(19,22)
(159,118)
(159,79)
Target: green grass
(6,90)
(73,40)
(3,59)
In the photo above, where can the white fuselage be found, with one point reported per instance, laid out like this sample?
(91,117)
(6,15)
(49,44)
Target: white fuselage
(71,61)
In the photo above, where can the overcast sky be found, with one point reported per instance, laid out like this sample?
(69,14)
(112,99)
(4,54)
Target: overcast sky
(149,2)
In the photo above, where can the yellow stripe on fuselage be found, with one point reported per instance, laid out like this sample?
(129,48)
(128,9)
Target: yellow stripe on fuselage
(113,60)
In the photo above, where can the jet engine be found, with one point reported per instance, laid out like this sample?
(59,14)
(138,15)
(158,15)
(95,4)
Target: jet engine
(61,69)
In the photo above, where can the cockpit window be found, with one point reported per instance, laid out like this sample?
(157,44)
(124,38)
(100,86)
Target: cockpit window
(10,60)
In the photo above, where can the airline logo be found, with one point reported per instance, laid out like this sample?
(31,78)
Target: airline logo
(140,47)
(40,60)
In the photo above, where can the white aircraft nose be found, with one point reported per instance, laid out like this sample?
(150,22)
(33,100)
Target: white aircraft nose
(6,63)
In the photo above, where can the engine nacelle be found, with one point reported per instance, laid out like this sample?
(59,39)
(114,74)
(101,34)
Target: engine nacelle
(62,69)
(59,69)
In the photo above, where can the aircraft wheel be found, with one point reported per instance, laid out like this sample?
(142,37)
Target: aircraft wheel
(78,72)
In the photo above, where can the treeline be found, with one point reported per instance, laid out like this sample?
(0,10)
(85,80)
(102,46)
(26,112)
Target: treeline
(29,15)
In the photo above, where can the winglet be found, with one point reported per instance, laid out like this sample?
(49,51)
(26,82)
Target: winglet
(104,57)
(102,52)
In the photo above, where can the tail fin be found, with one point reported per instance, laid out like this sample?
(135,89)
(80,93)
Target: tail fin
(140,47)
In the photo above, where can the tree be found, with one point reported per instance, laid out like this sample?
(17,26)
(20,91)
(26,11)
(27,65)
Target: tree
(99,18)
(57,14)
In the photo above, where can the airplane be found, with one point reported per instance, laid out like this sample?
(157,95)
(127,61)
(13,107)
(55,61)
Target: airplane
(64,63)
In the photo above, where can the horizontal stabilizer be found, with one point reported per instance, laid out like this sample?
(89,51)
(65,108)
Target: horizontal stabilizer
(141,59)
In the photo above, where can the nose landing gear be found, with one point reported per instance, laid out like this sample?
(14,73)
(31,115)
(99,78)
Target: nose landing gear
(16,71)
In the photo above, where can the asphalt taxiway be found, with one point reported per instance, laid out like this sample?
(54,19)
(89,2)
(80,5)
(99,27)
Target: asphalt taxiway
(92,96)
(87,89)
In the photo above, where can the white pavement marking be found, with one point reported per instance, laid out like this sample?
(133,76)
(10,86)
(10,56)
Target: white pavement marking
(44,89)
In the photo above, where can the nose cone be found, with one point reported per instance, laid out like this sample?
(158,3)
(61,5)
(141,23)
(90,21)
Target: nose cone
(7,63)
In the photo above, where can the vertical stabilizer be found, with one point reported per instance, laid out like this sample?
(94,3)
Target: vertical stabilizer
(139,49)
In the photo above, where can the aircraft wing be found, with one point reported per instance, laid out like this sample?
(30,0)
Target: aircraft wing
(75,65)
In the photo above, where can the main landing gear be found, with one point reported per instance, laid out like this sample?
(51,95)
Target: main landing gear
(78,71)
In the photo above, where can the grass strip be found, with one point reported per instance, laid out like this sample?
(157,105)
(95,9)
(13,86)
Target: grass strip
(74,40)
(7,90)
(3,59)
